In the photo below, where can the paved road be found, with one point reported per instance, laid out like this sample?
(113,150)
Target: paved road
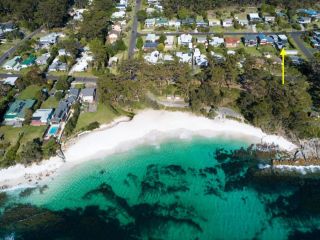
(215,33)
(4,56)
(51,77)
(132,44)
(297,38)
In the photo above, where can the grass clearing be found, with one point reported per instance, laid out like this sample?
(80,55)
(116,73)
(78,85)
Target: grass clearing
(104,114)
(30,92)
(51,102)
(29,133)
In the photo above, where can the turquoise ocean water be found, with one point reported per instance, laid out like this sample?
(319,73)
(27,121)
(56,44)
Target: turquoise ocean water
(175,190)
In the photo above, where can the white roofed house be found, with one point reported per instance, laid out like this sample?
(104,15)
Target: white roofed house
(216,41)
(169,42)
(184,57)
(214,22)
(118,15)
(227,23)
(153,57)
(174,23)
(10,80)
(254,18)
(269,19)
(185,39)
(88,95)
(151,37)
(51,38)
(82,63)
(150,22)
(41,117)
(202,39)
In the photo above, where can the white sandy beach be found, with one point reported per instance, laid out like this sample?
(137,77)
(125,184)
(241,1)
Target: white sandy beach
(147,127)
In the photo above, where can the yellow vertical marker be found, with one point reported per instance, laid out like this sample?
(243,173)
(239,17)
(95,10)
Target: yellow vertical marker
(283,53)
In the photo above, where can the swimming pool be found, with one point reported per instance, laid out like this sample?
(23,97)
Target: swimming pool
(53,130)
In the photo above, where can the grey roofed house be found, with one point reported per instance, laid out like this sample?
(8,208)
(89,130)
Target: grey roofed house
(61,112)
(42,60)
(88,92)
(7,27)
(58,66)
(74,92)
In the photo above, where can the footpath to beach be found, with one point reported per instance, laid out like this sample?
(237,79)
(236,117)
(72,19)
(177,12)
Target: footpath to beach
(147,127)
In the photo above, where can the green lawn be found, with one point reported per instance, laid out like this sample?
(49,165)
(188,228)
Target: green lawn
(30,92)
(30,132)
(51,102)
(252,51)
(104,114)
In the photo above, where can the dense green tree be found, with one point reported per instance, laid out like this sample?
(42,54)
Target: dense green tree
(31,152)
(139,44)
(49,148)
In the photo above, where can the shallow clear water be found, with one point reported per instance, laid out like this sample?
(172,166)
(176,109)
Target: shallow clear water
(176,190)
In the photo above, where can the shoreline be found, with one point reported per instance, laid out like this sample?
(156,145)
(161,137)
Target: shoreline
(147,127)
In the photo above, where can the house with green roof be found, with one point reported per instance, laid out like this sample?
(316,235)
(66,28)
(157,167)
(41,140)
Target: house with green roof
(15,115)
(162,22)
(29,61)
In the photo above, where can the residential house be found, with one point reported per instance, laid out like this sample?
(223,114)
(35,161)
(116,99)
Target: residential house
(149,46)
(41,117)
(149,22)
(216,41)
(57,66)
(7,27)
(13,63)
(243,22)
(175,23)
(150,10)
(214,22)
(51,38)
(227,23)
(254,18)
(28,62)
(231,42)
(304,20)
(188,21)
(184,57)
(169,42)
(43,59)
(74,92)
(82,63)
(118,15)
(262,39)
(88,95)
(309,12)
(185,39)
(61,112)
(200,22)
(202,39)
(283,38)
(117,27)
(121,7)
(78,14)
(161,22)
(250,40)
(15,115)
(113,36)
(10,80)
(269,19)
(152,57)
(151,37)
(218,57)
(63,52)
